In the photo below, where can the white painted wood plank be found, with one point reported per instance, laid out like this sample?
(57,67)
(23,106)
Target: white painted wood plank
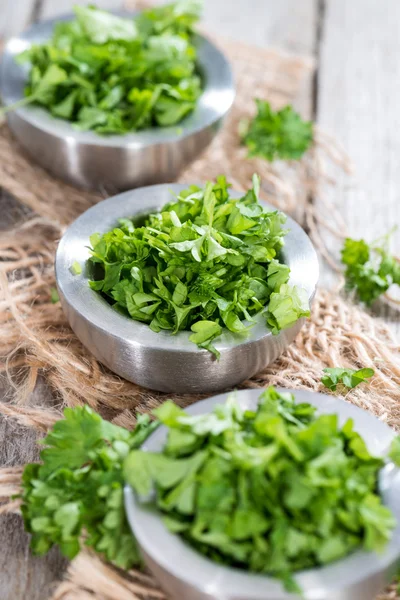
(14,16)
(358,101)
(287,24)
(52,8)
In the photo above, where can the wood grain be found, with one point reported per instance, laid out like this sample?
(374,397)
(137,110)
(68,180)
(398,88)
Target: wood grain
(52,8)
(358,101)
(290,25)
(15,15)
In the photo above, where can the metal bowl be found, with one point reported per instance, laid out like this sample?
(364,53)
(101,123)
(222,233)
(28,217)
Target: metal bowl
(186,574)
(162,361)
(115,162)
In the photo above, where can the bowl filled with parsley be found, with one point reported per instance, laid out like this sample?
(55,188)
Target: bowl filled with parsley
(186,288)
(267,495)
(114,101)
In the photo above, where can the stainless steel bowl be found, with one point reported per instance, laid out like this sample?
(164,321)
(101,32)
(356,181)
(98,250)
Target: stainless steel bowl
(186,574)
(161,361)
(114,162)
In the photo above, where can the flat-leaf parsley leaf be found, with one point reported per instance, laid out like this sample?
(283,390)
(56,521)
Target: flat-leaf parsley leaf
(370,269)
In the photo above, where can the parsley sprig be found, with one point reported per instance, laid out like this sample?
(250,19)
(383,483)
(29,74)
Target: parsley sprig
(370,268)
(114,75)
(204,262)
(280,134)
(76,496)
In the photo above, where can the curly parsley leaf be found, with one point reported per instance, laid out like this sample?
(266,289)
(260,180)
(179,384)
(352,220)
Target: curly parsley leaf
(350,378)
(278,134)
(76,493)
(204,262)
(275,490)
(115,74)
(370,269)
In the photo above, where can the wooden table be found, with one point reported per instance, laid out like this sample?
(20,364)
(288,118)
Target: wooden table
(355,94)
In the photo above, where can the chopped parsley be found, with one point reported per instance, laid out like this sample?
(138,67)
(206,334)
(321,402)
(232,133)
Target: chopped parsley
(114,75)
(274,491)
(204,262)
(75,268)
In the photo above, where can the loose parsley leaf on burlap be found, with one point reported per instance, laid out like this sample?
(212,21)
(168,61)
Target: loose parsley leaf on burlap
(117,74)
(276,134)
(370,269)
(54,297)
(204,262)
(77,493)
(274,491)
(350,378)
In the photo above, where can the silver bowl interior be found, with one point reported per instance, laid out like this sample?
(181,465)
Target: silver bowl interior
(186,574)
(298,253)
(214,103)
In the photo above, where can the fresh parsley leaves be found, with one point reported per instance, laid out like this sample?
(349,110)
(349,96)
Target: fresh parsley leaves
(274,491)
(77,493)
(370,269)
(114,75)
(276,134)
(350,378)
(205,262)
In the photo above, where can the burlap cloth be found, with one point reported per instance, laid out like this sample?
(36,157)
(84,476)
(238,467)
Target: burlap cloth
(37,343)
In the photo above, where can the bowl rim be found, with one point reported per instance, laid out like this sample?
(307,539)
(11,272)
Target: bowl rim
(75,292)
(214,103)
(172,554)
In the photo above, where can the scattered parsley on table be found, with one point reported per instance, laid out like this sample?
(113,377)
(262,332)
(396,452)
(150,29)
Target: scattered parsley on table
(204,262)
(370,269)
(273,135)
(349,378)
